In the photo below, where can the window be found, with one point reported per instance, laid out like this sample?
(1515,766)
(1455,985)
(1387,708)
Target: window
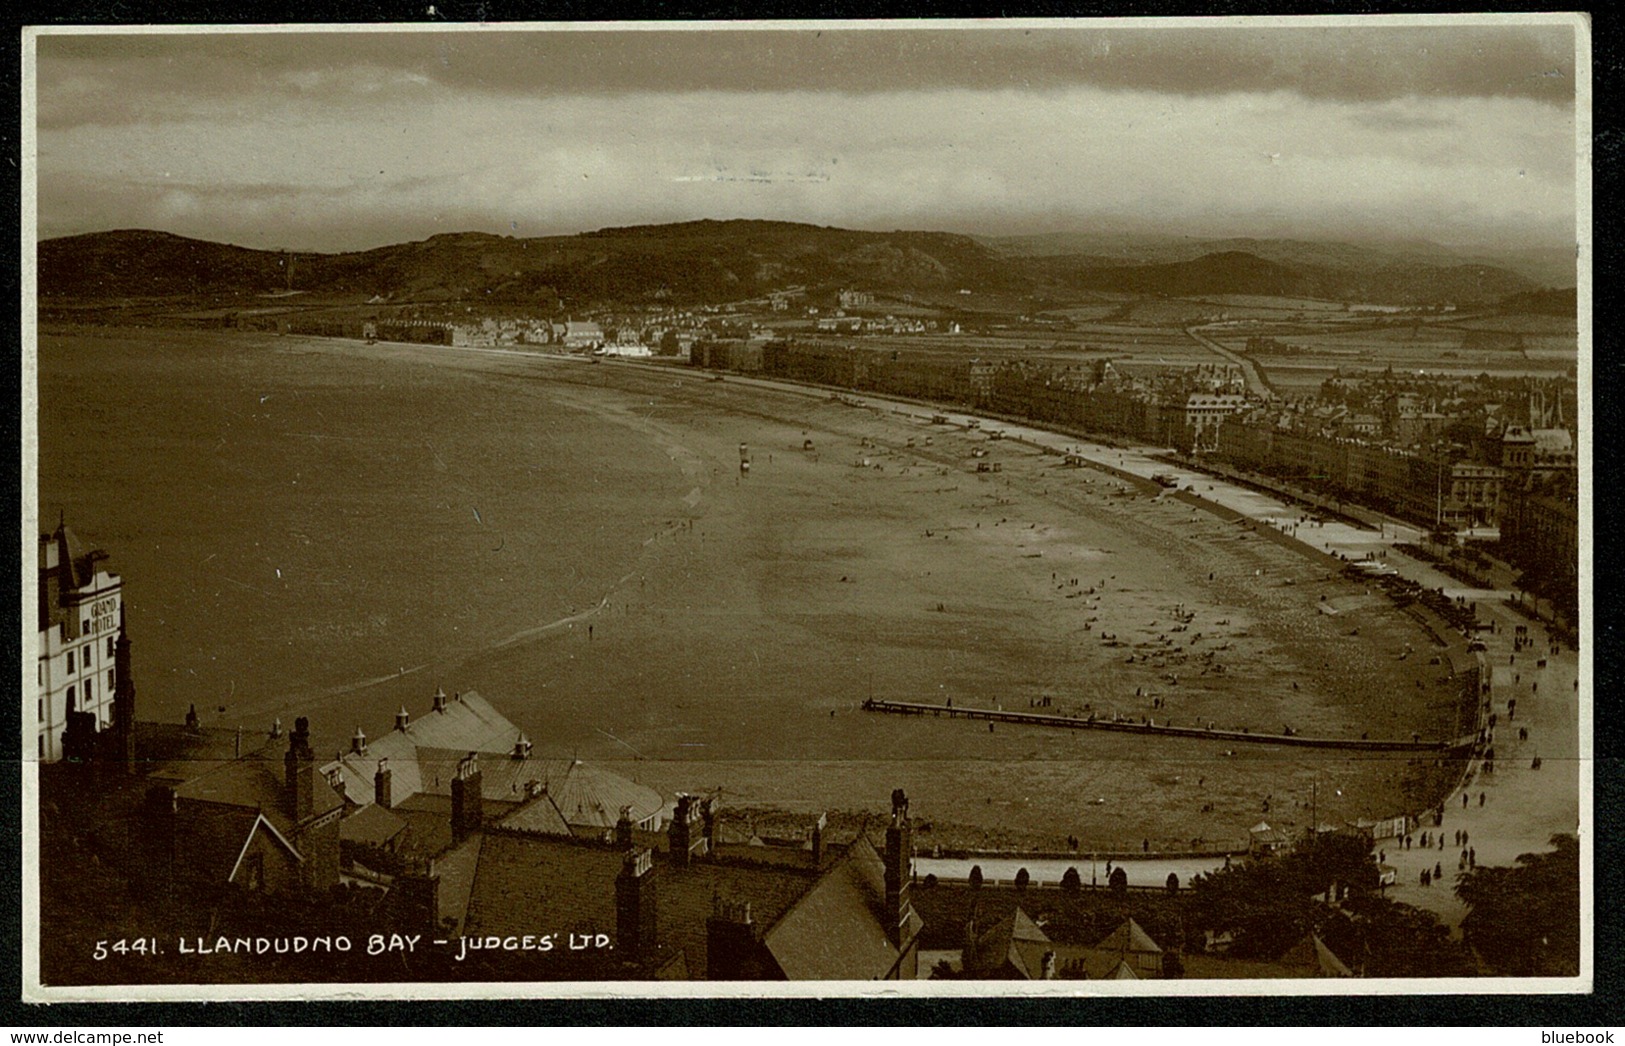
(41,710)
(70,661)
(42,746)
(70,698)
(110,646)
(110,685)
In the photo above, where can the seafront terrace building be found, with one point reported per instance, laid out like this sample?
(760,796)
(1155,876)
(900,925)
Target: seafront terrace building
(81,607)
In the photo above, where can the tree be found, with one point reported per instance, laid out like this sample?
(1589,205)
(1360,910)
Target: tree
(1071,881)
(975,877)
(1524,921)
(1173,882)
(1022,879)
(1118,881)
(1267,905)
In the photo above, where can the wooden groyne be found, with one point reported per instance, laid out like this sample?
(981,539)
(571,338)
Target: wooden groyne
(1357,744)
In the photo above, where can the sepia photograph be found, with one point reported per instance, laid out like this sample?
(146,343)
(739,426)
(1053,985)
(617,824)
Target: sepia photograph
(764,508)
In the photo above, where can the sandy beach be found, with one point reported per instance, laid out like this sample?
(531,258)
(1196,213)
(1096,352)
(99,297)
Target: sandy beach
(580,544)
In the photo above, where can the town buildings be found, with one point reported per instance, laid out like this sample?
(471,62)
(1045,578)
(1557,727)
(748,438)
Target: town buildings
(81,627)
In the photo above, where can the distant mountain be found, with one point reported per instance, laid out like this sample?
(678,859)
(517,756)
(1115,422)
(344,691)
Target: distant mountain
(716,261)
(1241,272)
(694,261)
(1391,271)
(1225,272)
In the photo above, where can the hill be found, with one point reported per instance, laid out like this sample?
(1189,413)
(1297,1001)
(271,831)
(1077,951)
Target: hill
(1546,302)
(704,262)
(700,262)
(1243,272)
(1400,272)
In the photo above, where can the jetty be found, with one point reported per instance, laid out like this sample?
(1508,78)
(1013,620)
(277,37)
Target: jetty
(1126,726)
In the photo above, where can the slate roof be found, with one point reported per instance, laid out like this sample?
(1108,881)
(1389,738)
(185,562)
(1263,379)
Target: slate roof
(838,931)
(423,758)
(525,882)
(1122,972)
(1015,946)
(537,817)
(371,826)
(1312,955)
(584,796)
(457,868)
(1130,937)
(256,784)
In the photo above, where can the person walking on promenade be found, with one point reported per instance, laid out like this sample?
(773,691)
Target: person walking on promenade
(1480,798)
(1438,871)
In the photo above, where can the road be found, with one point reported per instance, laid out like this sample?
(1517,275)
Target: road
(1257,384)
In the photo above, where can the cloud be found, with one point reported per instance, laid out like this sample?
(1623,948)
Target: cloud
(115,78)
(310,173)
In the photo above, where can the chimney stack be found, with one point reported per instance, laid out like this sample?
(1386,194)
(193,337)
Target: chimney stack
(124,698)
(402,718)
(636,929)
(299,767)
(899,861)
(522,747)
(732,944)
(358,741)
(623,828)
(685,846)
(380,785)
(467,801)
(439,699)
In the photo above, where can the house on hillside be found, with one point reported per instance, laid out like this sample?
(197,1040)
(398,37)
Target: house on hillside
(256,822)
(1017,948)
(684,907)
(464,762)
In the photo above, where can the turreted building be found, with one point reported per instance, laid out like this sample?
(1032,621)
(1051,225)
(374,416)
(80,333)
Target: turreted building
(84,656)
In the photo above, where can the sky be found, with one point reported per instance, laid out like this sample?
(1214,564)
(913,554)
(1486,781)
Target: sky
(1460,133)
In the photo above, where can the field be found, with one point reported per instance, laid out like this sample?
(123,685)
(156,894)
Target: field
(1499,345)
(332,529)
